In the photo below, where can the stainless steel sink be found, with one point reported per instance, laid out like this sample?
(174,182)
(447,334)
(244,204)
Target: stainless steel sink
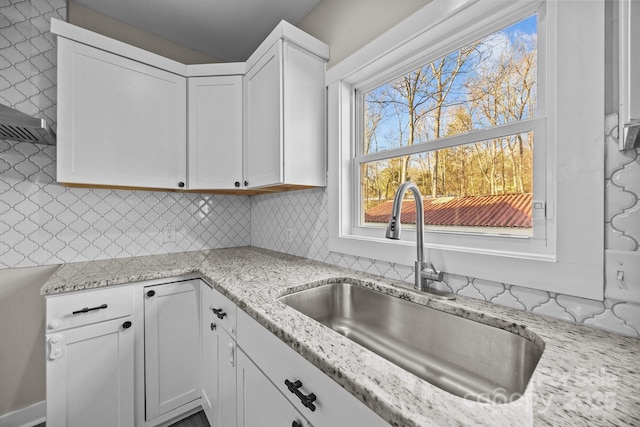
(467,358)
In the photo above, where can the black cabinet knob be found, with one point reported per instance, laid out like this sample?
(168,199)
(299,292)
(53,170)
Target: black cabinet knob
(181,184)
(296,424)
(126,325)
(246,183)
(213,326)
(151,293)
(237,184)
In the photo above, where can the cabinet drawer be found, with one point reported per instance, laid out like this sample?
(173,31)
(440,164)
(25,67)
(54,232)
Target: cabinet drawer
(85,307)
(221,311)
(334,406)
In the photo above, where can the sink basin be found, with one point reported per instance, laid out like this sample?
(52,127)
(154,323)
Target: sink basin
(467,358)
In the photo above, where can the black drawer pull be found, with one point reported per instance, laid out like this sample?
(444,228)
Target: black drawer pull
(151,293)
(296,424)
(218,312)
(87,309)
(307,400)
(126,325)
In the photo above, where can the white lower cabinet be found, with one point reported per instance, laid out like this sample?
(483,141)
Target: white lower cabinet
(149,353)
(313,394)
(259,401)
(218,358)
(90,359)
(171,346)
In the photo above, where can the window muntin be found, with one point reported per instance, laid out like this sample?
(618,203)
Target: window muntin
(484,187)
(461,127)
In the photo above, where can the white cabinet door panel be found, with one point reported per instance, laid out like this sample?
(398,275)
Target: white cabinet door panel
(263,120)
(90,376)
(120,122)
(259,402)
(218,359)
(172,346)
(215,132)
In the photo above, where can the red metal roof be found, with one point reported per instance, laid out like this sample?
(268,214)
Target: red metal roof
(507,210)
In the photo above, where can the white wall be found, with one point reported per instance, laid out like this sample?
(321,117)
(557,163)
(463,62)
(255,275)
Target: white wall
(22,315)
(346,26)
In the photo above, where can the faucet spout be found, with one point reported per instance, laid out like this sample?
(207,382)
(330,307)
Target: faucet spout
(424,271)
(394,226)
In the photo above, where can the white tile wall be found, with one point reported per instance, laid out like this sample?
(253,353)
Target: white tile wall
(307,212)
(42,222)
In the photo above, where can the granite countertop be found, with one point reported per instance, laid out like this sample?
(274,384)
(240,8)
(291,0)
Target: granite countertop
(585,376)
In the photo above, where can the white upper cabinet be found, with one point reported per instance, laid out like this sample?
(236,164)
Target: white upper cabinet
(215,132)
(284,140)
(131,118)
(120,122)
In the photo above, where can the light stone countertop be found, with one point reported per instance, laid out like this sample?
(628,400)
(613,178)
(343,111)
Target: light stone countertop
(585,376)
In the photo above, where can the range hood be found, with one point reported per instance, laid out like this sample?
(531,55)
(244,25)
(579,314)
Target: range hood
(18,126)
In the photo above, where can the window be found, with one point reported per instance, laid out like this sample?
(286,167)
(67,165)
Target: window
(507,151)
(418,127)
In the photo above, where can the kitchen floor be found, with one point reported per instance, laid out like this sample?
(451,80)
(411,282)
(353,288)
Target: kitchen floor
(196,420)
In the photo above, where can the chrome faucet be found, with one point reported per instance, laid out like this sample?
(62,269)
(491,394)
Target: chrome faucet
(424,271)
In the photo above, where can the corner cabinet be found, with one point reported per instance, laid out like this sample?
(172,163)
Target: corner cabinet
(128,118)
(121,123)
(284,118)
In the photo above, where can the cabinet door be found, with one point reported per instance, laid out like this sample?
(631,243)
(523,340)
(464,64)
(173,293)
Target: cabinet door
(218,367)
(209,356)
(263,120)
(305,156)
(120,122)
(215,132)
(259,402)
(90,375)
(227,359)
(171,346)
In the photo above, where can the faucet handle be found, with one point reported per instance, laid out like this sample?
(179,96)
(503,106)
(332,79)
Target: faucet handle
(430,273)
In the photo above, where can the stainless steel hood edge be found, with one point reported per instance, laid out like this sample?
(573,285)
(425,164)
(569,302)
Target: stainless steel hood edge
(18,126)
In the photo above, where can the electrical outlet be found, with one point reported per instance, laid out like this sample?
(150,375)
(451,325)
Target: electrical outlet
(169,234)
(289,234)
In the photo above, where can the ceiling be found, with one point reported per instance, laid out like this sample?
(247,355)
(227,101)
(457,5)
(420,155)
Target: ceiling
(228,30)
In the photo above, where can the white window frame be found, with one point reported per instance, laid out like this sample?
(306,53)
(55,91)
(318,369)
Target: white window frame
(565,255)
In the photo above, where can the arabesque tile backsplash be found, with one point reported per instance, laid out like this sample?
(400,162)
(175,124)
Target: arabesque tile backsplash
(42,222)
(306,213)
